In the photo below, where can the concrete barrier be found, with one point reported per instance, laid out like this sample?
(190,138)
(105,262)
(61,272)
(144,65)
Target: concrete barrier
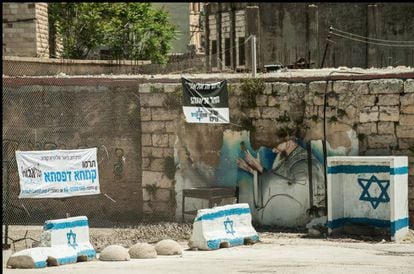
(368,190)
(40,257)
(69,232)
(223,226)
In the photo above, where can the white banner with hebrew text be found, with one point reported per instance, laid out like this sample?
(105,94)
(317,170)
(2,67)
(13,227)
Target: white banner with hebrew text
(58,173)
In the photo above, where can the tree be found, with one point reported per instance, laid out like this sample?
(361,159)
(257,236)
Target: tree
(129,30)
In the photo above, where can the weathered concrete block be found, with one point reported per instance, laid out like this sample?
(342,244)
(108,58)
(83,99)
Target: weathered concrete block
(144,88)
(319,87)
(145,114)
(389,113)
(369,114)
(156,207)
(406,119)
(253,113)
(280,88)
(69,232)
(268,89)
(270,113)
(142,251)
(318,100)
(386,128)
(151,177)
(40,257)
(383,86)
(170,126)
(172,88)
(146,162)
(153,127)
(172,138)
(367,128)
(163,195)
(409,86)
(114,253)
(409,109)
(160,140)
(168,247)
(365,100)
(381,141)
(28,258)
(388,100)
(152,99)
(223,226)
(157,164)
(405,131)
(405,143)
(160,114)
(298,90)
(356,87)
(407,99)
(157,178)
(146,139)
(407,103)
(261,100)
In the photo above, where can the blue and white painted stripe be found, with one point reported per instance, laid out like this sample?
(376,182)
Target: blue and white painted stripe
(393,225)
(222,214)
(65,225)
(215,244)
(357,169)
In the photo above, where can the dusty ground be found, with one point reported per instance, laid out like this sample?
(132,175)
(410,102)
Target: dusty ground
(278,252)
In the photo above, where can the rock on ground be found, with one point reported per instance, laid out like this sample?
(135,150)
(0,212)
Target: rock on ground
(142,251)
(114,253)
(23,261)
(168,247)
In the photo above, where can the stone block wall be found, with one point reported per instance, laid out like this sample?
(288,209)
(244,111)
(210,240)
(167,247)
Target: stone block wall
(379,111)
(25,29)
(158,137)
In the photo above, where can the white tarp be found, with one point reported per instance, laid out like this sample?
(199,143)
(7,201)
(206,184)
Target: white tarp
(58,173)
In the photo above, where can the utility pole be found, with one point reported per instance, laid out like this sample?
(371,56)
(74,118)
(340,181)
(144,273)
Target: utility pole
(253,46)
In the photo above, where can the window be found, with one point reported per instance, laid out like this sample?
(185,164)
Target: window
(213,53)
(227,52)
(241,52)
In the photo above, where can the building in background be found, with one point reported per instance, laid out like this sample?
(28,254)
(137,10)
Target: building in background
(25,29)
(289,32)
(187,19)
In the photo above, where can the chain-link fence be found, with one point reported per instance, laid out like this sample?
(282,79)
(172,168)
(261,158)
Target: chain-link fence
(45,114)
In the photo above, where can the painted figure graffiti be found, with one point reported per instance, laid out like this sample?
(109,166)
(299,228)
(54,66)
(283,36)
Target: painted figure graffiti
(281,189)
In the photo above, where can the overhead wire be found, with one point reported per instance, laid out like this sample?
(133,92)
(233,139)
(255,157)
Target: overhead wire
(370,38)
(367,41)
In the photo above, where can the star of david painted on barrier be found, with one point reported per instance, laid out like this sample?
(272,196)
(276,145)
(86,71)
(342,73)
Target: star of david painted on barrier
(71,239)
(228,226)
(366,196)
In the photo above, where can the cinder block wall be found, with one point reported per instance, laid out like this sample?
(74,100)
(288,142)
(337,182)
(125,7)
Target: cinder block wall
(25,29)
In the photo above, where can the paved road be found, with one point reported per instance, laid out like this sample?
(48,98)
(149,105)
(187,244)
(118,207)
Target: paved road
(296,255)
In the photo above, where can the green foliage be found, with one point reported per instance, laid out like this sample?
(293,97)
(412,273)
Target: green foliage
(129,30)
(169,167)
(251,87)
(341,113)
(154,89)
(152,189)
(314,118)
(332,119)
(283,118)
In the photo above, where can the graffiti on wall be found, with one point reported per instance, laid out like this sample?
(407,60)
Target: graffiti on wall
(274,181)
